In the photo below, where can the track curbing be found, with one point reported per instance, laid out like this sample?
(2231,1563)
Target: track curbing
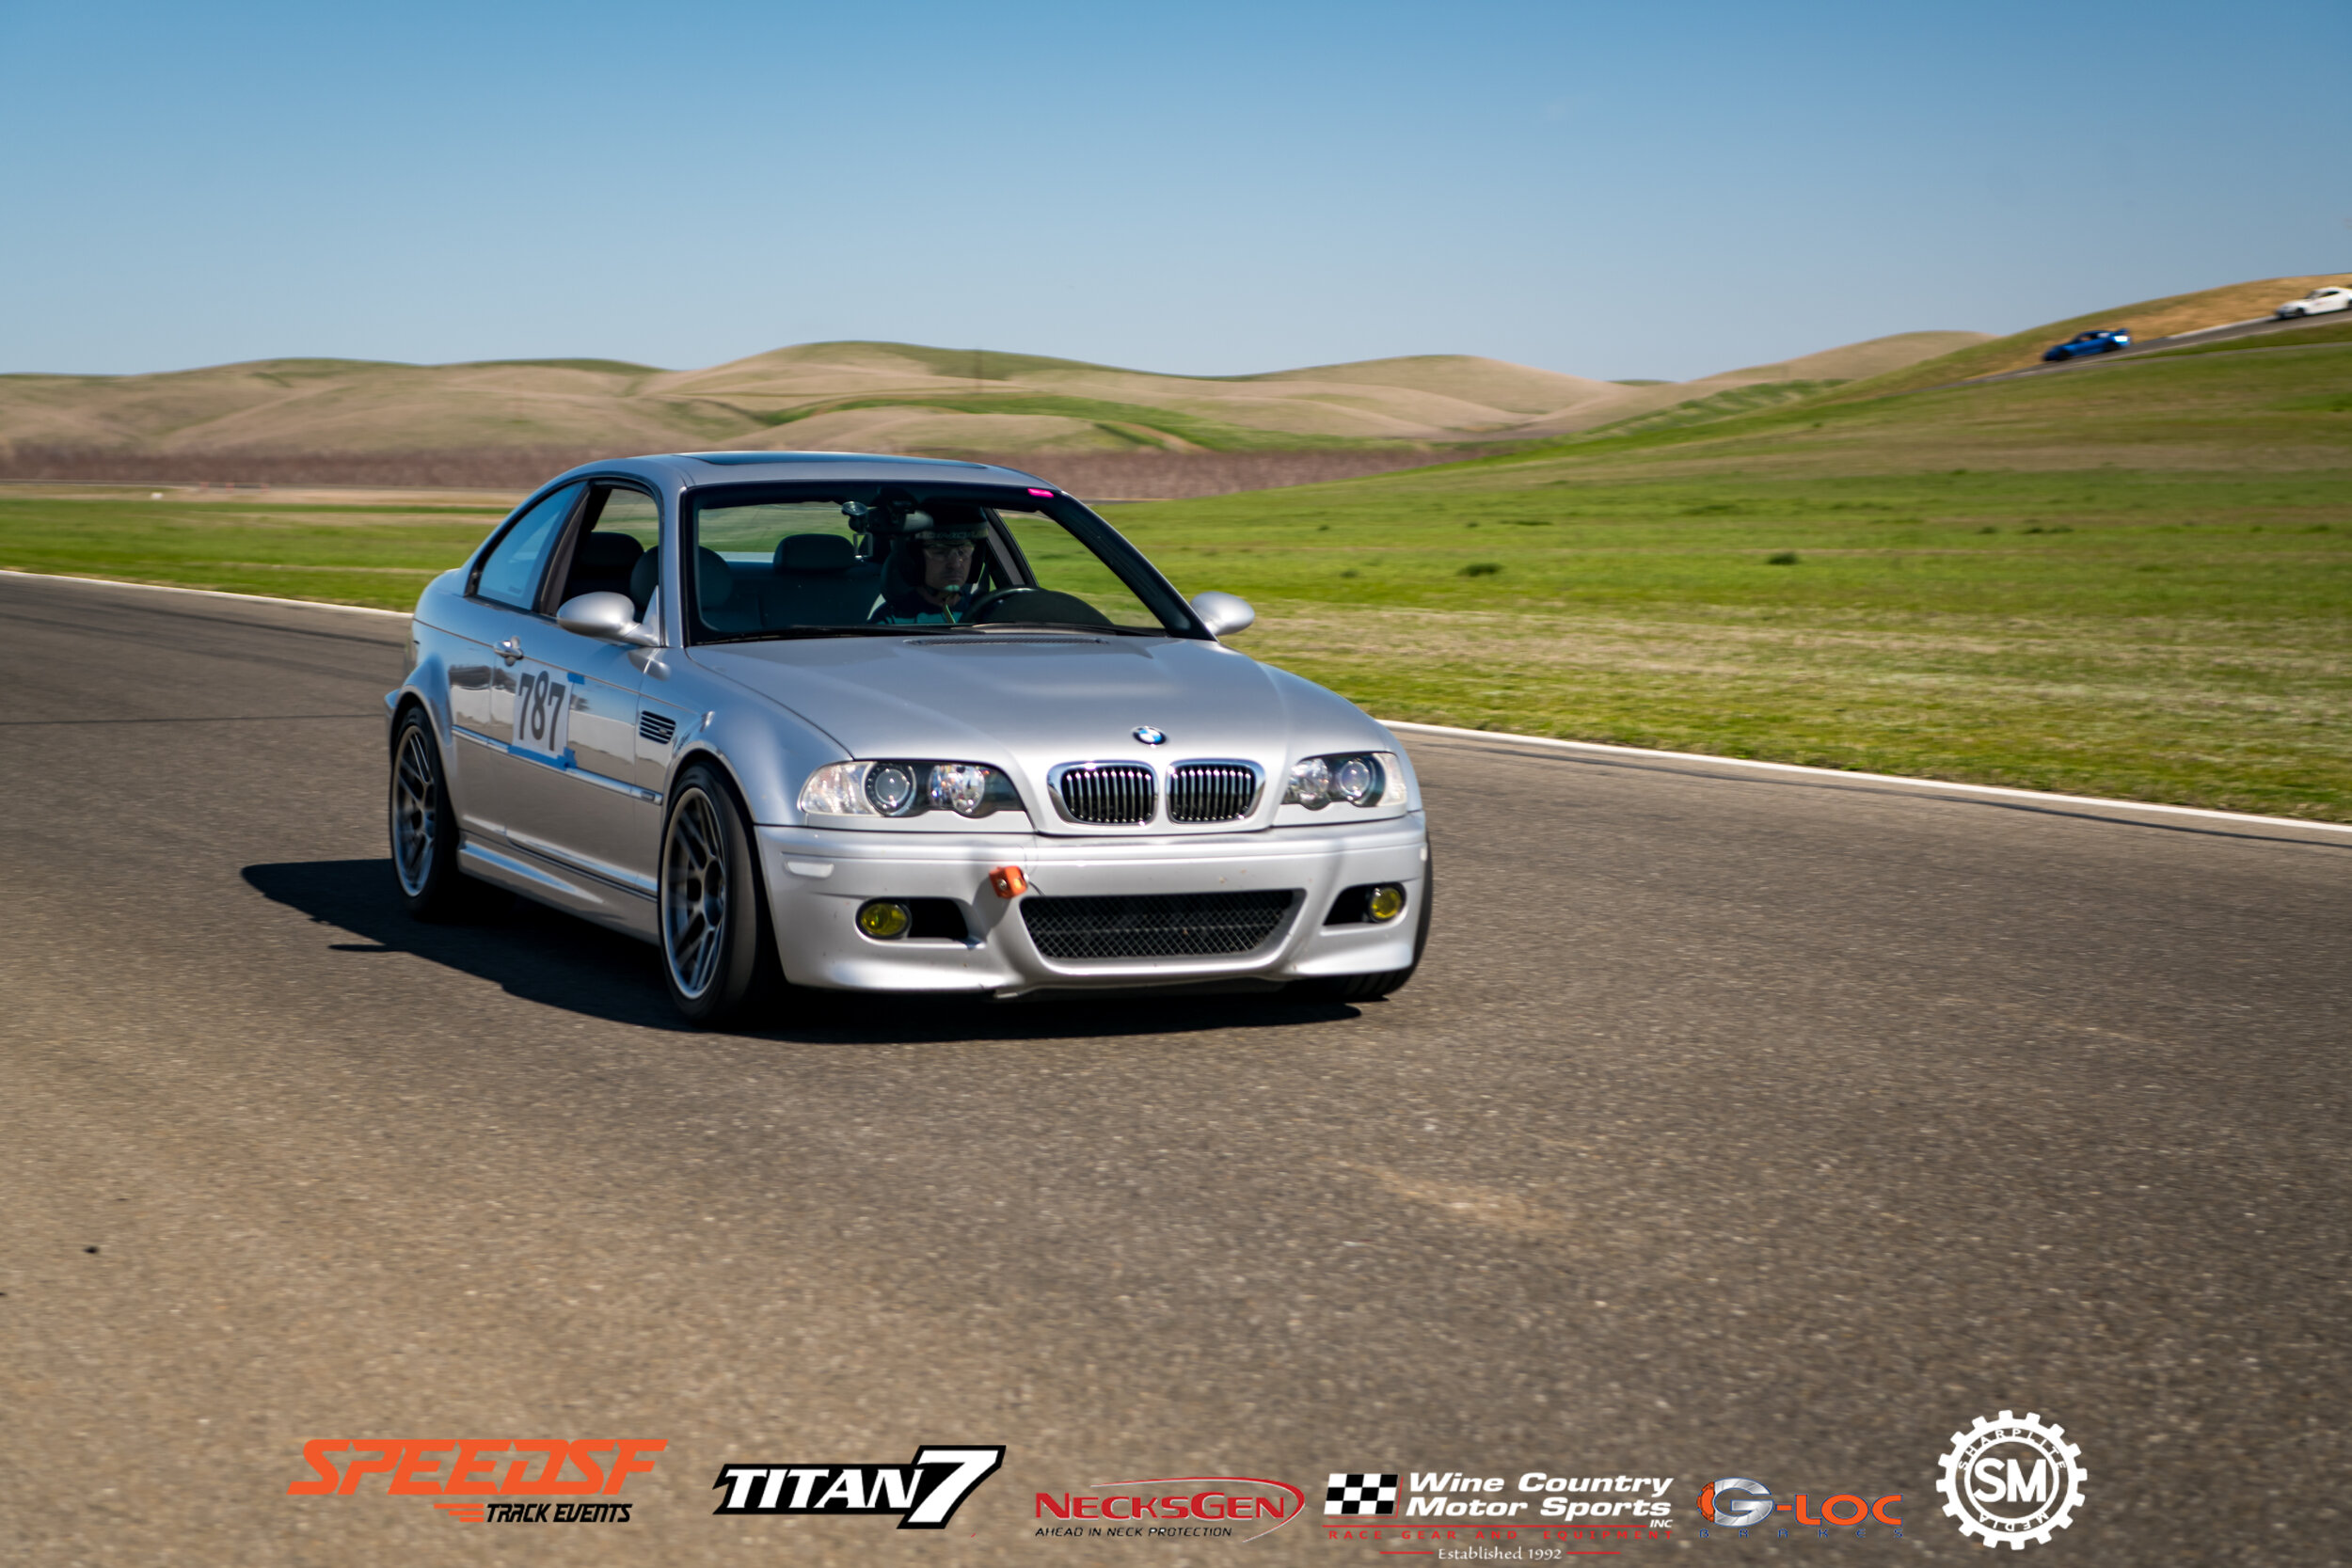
(2000,790)
(204,593)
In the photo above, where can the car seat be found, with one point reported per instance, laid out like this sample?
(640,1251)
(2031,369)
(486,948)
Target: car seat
(819,581)
(716,602)
(603,563)
(645,576)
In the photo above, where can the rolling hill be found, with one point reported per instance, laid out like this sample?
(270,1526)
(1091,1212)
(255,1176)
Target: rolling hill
(869,396)
(1112,431)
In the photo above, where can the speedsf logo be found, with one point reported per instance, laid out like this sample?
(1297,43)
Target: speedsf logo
(922,1495)
(497,1480)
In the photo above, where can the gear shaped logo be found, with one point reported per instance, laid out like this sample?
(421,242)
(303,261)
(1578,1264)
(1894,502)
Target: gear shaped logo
(2010,1481)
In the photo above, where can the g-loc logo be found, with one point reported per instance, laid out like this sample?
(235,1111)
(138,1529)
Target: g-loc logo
(1750,1503)
(1735,1512)
(1987,1492)
(924,1495)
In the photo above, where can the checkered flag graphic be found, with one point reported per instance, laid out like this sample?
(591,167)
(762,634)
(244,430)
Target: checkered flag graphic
(1353,1494)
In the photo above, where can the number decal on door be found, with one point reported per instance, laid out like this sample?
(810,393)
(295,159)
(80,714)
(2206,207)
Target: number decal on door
(543,710)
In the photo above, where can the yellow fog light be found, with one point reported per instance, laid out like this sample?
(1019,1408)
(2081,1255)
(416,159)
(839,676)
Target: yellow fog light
(885,919)
(1385,902)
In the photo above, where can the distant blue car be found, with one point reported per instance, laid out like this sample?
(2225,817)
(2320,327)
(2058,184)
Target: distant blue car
(2105,341)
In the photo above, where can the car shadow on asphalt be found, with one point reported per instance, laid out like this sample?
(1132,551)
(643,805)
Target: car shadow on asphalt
(551,958)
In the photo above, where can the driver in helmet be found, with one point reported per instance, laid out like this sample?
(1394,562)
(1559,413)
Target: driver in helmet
(934,563)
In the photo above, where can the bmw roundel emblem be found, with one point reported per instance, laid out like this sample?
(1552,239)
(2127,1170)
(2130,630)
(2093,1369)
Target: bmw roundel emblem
(1149,736)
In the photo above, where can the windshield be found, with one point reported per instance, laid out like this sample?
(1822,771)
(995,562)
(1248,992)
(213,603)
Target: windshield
(782,560)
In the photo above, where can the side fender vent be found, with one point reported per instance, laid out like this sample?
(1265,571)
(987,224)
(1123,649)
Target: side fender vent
(658,728)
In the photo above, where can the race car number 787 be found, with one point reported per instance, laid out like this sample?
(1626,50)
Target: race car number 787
(543,710)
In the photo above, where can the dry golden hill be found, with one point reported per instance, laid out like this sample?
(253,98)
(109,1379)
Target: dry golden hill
(1878,356)
(873,396)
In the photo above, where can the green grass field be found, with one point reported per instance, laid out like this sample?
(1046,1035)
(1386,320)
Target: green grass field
(2132,580)
(379,555)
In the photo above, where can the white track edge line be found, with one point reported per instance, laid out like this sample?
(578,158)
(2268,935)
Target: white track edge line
(205,592)
(1869,778)
(1442,729)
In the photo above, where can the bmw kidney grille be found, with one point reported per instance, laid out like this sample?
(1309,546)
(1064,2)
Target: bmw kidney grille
(1212,792)
(1111,793)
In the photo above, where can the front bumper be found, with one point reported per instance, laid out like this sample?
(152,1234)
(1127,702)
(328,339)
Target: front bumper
(818,877)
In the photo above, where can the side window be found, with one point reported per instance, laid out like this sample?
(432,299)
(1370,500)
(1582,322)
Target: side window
(633,513)
(511,576)
(616,551)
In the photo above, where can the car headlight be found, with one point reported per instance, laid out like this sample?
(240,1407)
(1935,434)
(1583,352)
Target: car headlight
(1358,778)
(901,788)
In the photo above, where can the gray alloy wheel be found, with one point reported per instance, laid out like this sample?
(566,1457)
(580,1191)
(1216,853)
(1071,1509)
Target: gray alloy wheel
(718,952)
(425,830)
(416,809)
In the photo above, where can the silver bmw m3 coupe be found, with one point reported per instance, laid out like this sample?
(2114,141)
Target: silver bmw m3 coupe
(888,724)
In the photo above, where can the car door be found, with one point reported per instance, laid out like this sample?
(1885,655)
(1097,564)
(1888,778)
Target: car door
(571,797)
(488,624)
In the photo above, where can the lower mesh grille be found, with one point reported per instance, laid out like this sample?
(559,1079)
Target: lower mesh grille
(1211,792)
(1153,926)
(1107,792)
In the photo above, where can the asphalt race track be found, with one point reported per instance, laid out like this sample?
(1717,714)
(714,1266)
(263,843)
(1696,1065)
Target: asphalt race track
(2260,328)
(1737,1125)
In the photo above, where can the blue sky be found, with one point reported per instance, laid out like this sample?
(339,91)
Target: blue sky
(1661,190)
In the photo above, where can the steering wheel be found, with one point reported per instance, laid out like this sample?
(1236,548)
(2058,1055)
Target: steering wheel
(972,612)
(1060,608)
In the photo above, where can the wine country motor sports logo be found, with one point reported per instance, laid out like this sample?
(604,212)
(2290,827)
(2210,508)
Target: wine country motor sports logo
(1739,1503)
(921,1494)
(2009,1481)
(468,1470)
(1386,1507)
(1170,1508)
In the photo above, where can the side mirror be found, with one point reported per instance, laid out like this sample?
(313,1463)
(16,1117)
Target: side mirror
(1223,613)
(607,617)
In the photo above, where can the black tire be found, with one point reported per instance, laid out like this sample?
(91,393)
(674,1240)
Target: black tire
(718,945)
(423,827)
(1371,988)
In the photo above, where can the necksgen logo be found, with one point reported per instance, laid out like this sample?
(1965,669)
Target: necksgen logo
(464,1468)
(924,1495)
(1191,1506)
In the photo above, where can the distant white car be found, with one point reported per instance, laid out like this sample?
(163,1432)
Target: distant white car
(2317,303)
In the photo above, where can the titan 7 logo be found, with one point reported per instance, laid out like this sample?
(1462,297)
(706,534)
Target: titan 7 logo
(923,1494)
